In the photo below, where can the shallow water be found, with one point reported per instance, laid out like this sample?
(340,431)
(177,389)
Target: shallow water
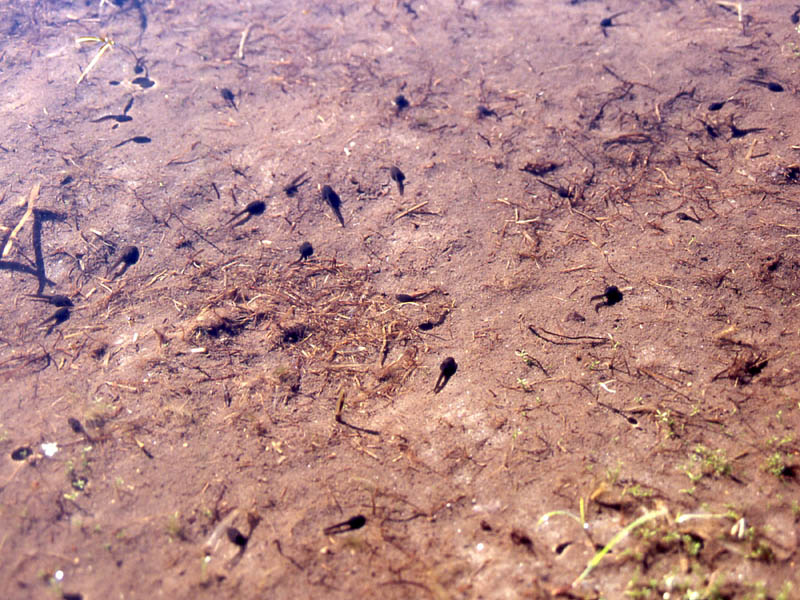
(224,381)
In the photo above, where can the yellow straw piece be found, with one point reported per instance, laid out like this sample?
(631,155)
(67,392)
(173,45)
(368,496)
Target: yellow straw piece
(31,199)
(107,44)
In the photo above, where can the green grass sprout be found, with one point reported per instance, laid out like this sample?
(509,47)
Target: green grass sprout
(621,535)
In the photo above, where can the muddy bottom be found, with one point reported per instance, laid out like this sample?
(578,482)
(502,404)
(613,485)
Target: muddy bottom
(399,299)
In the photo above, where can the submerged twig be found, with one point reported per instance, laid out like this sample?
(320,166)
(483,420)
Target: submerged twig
(410,210)
(245,33)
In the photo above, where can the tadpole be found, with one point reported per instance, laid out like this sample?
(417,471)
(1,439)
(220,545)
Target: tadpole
(521,538)
(400,102)
(333,200)
(229,97)
(772,86)
(712,131)
(255,208)
(306,250)
(122,118)
(352,523)
(138,139)
(699,158)
(484,112)
(398,177)
(58,317)
(295,184)
(21,453)
(143,82)
(447,369)
(58,300)
(294,334)
(117,118)
(410,10)
(558,189)
(682,216)
(540,168)
(609,21)
(75,425)
(129,255)
(237,537)
(739,133)
(610,297)
(414,297)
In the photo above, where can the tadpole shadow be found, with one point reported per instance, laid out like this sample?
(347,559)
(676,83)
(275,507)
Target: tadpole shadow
(10,265)
(39,216)
(38,270)
(341,421)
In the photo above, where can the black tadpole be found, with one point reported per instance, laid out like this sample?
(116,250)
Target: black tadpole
(129,255)
(294,184)
(772,86)
(58,317)
(558,189)
(143,82)
(682,216)
(400,102)
(75,425)
(306,250)
(484,112)
(228,96)
(117,118)
(715,106)
(610,297)
(712,131)
(352,523)
(21,453)
(54,299)
(447,369)
(399,178)
(137,139)
(739,133)
(257,207)
(236,537)
(609,21)
(413,297)
(333,200)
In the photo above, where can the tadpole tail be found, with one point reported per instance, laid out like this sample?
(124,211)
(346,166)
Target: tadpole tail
(118,272)
(237,216)
(338,214)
